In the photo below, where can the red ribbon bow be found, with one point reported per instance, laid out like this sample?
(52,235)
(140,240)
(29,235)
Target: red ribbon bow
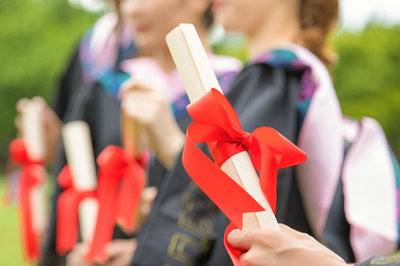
(68,211)
(32,174)
(121,181)
(216,123)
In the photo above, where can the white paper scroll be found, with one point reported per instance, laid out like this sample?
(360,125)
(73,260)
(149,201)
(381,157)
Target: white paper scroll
(33,134)
(198,78)
(80,158)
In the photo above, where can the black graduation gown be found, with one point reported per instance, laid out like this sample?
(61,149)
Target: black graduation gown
(79,100)
(185,227)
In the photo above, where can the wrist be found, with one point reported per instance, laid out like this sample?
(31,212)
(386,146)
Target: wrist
(170,146)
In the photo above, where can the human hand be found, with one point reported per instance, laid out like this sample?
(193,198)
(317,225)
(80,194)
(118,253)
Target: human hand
(285,247)
(146,203)
(51,123)
(148,106)
(77,256)
(119,252)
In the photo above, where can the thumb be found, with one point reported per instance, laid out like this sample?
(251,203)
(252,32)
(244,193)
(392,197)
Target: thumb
(240,240)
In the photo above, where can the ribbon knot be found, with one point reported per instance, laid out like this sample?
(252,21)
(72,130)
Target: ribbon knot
(247,140)
(68,211)
(121,181)
(220,128)
(19,154)
(32,174)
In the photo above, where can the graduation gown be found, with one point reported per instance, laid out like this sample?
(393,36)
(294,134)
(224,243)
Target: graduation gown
(185,227)
(90,102)
(79,100)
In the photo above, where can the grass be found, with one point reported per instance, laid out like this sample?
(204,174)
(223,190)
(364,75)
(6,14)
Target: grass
(10,245)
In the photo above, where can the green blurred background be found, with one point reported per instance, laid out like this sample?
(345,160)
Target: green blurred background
(37,38)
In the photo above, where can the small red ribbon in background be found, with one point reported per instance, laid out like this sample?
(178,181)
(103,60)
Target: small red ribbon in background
(68,211)
(216,123)
(32,174)
(121,181)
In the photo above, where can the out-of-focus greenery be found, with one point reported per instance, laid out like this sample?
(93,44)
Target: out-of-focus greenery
(37,38)
(10,247)
(367,78)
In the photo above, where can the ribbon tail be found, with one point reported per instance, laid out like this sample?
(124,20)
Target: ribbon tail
(67,221)
(290,154)
(231,198)
(106,194)
(268,177)
(233,253)
(30,238)
(129,196)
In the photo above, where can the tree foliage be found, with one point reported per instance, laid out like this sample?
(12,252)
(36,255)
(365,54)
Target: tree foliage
(367,78)
(36,39)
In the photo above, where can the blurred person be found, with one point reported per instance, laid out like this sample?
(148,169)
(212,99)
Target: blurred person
(129,43)
(286,85)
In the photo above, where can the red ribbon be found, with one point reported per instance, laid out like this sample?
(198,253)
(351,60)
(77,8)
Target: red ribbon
(32,175)
(68,211)
(121,181)
(216,123)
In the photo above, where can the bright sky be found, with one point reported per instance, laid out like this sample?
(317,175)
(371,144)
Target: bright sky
(354,13)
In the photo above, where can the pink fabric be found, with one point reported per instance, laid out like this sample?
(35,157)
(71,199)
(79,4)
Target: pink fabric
(145,69)
(104,43)
(320,137)
(369,195)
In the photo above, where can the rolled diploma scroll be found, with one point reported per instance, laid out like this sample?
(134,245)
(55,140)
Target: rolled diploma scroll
(80,158)
(34,139)
(198,78)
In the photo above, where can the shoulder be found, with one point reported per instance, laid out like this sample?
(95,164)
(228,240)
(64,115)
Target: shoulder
(223,64)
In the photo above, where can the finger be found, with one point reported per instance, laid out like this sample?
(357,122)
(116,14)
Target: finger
(134,84)
(143,112)
(123,260)
(241,240)
(120,246)
(113,249)
(149,194)
(20,106)
(39,100)
(142,95)
(126,86)
(245,258)
(289,231)
(147,199)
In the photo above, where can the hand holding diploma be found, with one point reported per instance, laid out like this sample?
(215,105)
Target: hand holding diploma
(30,153)
(236,190)
(77,204)
(119,253)
(148,107)
(51,125)
(263,247)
